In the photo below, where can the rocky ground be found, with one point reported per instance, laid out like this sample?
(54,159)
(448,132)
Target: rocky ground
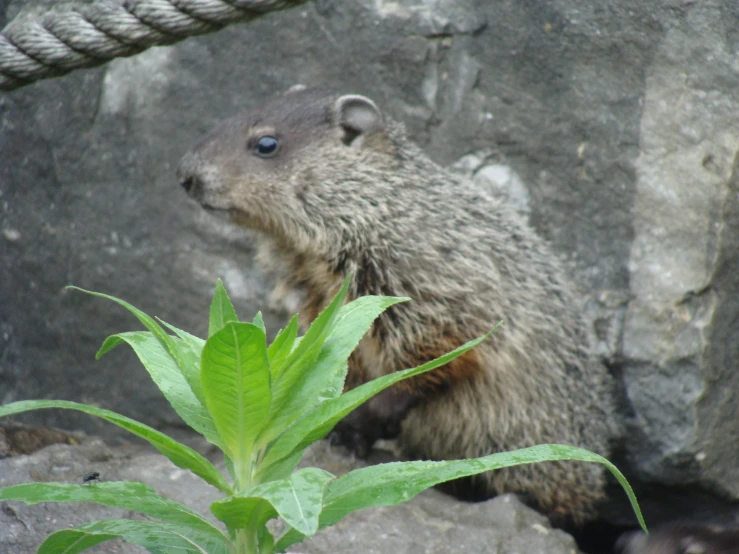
(431,523)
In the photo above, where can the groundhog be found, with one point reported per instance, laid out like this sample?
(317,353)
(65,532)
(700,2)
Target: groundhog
(337,189)
(682,538)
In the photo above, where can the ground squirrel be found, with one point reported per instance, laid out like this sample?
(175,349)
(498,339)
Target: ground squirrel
(337,189)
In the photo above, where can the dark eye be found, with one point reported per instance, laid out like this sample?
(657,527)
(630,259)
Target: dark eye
(266,147)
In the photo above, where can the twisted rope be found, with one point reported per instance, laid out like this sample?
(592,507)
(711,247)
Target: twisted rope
(93,34)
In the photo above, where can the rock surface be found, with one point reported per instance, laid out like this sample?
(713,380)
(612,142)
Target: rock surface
(612,125)
(430,523)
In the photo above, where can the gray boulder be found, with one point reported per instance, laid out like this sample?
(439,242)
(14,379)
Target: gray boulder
(431,523)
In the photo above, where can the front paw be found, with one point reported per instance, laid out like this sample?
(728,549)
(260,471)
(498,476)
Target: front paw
(355,434)
(380,417)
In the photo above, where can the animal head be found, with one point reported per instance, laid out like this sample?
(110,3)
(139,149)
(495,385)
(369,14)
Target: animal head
(297,167)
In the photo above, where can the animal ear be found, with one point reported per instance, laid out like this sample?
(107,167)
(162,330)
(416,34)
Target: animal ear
(357,117)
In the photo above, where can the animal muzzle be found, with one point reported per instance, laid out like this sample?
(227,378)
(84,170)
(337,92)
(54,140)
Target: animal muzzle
(190,178)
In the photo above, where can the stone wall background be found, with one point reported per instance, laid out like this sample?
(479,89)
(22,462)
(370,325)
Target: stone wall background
(613,125)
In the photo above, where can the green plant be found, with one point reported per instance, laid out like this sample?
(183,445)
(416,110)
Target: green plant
(262,406)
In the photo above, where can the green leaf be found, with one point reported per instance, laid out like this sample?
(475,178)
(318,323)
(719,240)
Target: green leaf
(189,350)
(296,367)
(156,537)
(352,323)
(390,484)
(324,379)
(70,541)
(280,469)
(180,455)
(146,320)
(229,467)
(109,344)
(173,383)
(316,424)
(281,347)
(252,513)
(259,322)
(236,383)
(265,539)
(298,500)
(129,496)
(183,393)
(221,310)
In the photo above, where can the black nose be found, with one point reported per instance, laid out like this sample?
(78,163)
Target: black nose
(187,182)
(192,184)
(187,174)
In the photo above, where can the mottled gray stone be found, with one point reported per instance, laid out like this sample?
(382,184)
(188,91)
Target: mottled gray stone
(433,523)
(683,215)
(616,123)
(430,523)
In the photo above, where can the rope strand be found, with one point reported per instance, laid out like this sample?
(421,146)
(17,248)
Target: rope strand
(88,35)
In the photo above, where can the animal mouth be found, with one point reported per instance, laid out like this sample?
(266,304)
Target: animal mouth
(232,215)
(218,211)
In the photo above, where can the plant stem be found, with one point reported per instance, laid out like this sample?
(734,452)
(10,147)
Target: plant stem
(246,542)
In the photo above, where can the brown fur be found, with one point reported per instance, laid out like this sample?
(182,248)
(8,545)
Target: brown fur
(17,439)
(348,193)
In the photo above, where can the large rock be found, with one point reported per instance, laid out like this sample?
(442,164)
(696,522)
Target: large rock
(680,337)
(612,125)
(431,522)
